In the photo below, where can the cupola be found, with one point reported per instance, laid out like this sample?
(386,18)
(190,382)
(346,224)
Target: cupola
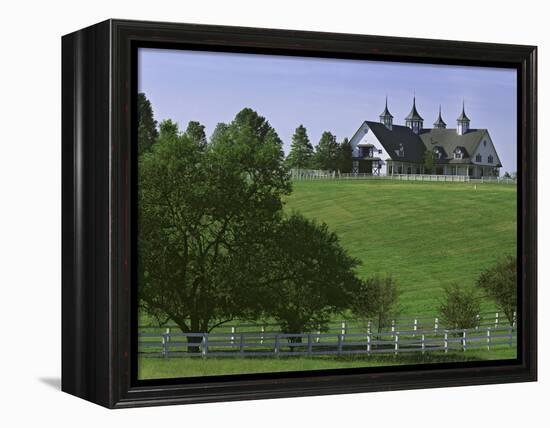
(414,120)
(386,117)
(440,123)
(463,122)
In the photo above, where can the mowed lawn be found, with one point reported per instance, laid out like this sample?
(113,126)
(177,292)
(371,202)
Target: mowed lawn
(425,234)
(163,368)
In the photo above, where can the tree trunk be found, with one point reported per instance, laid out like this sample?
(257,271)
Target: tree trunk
(193,344)
(294,339)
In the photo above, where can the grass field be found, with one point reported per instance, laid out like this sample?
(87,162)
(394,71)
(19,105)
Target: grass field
(424,234)
(163,368)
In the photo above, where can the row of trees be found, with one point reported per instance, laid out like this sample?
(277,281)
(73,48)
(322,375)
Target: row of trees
(328,154)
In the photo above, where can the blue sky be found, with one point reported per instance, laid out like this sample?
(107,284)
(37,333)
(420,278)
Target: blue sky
(325,94)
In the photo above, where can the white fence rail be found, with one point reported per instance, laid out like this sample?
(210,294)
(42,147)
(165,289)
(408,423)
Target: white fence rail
(301,175)
(485,319)
(313,344)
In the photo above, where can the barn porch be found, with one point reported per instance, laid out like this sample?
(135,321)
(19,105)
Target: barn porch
(468,170)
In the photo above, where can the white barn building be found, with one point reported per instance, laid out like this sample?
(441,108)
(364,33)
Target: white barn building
(383,148)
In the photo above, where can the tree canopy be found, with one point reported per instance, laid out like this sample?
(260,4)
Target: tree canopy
(214,243)
(326,152)
(377,299)
(301,150)
(195,131)
(500,282)
(201,214)
(460,307)
(311,276)
(344,163)
(147,125)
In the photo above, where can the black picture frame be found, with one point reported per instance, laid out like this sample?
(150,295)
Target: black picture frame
(98,219)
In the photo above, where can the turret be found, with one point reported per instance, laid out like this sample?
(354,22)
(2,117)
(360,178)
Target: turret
(414,120)
(386,117)
(463,122)
(440,123)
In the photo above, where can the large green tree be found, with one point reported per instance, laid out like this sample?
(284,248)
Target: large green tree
(147,125)
(500,283)
(203,214)
(326,152)
(195,131)
(345,162)
(310,276)
(301,150)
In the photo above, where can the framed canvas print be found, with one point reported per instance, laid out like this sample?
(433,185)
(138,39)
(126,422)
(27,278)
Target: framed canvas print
(253,213)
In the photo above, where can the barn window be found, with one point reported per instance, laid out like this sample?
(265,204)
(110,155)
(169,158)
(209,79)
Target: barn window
(490,159)
(401,151)
(478,158)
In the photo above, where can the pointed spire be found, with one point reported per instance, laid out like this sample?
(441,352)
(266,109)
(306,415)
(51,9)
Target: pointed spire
(386,112)
(413,115)
(463,122)
(463,116)
(386,117)
(440,123)
(414,120)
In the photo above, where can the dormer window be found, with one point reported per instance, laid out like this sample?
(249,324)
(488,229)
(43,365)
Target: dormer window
(401,151)
(437,153)
(490,159)
(458,153)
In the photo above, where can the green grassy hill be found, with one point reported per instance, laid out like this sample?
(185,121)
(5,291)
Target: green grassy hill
(424,234)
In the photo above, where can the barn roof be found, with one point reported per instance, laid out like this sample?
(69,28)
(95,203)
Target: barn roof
(392,139)
(449,139)
(414,146)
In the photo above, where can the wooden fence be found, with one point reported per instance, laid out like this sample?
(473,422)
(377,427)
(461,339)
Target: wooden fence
(314,344)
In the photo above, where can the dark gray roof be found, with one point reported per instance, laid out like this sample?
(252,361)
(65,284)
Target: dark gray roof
(416,145)
(392,139)
(450,140)
(413,115)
